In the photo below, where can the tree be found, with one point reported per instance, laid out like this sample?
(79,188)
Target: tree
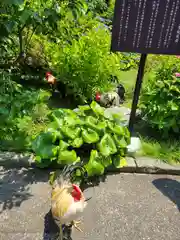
(20,19)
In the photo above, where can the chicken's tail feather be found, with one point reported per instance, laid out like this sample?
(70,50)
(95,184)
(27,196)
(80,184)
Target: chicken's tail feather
(67,175)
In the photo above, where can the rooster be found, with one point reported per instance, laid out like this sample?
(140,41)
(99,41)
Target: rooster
(51,80)
(67,200)
(111,99)
(56,85)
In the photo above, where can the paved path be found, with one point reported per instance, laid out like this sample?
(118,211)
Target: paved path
(124,207)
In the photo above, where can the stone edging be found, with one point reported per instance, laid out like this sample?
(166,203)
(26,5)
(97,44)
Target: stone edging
(134,165)
(149,166)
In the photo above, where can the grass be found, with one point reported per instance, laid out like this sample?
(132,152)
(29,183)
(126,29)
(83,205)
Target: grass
(168,152)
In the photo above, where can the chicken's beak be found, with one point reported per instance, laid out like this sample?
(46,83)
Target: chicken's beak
(87,199)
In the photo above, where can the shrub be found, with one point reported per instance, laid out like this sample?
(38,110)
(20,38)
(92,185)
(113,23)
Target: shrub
(22,113)
(97,6)
(74,136)
(86,66)
(160,102)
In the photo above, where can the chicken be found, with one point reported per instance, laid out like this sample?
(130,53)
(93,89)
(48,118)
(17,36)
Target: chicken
(51,80)
(67,200)
(113,98)
(56,85)
(108,99)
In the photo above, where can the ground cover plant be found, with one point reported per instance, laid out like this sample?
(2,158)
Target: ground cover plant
(87,134)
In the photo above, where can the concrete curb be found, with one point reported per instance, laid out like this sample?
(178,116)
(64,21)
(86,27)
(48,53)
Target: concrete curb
(150,166)
(134,165)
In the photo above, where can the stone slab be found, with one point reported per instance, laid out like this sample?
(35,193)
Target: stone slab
(149,165)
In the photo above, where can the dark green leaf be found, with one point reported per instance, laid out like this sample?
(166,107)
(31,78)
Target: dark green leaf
(43,147)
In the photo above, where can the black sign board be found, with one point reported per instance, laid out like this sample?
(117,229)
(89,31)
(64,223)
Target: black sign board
(147,26)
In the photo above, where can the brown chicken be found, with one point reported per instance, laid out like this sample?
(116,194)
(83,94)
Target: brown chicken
(67,200)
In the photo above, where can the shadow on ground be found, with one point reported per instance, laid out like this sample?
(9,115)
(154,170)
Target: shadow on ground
(51,230)
(170,188)
(15,185)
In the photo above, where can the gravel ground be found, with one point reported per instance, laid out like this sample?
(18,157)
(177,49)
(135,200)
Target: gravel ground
(124,207)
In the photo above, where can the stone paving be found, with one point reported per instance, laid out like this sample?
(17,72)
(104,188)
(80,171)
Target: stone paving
(124,207)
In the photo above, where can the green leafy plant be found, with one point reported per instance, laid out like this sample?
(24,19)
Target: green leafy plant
(86,65)
(23,113)
(160,102)
(70,133)
(20,19)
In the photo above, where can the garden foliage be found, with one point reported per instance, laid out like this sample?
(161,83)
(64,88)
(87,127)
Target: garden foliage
(87,134)
(23,113)
(86,65)
(160,101)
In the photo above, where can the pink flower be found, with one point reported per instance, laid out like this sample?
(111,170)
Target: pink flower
(178,56)
(177,75)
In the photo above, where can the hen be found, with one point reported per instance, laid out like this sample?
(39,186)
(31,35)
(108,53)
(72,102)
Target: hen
(113,98)
(67,200)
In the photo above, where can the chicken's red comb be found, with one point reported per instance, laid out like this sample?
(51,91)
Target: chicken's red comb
(76,193)
(48,74)
(98,96)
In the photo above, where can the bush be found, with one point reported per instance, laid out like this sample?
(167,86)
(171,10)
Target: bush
(97,6)
(22,113)
(74,136)
(86,66)
(160,102)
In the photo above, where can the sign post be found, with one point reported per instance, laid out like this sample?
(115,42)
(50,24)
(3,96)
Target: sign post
(145,26)
(137,91)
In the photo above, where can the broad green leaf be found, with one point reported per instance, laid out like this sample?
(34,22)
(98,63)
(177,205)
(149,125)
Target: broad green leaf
(59,113)
(25,15)
(55,125)
(89,136)
(56,134)
(70,113)
(59,122)
(63,145)
(107,146)
(84,108)
(117,129)
(120,141)
(67,157)
(97,109)
(119,161)
(77,142)
(127,135)
(43,147)
(94,166)
(71,132)
(95,125)
(106,161)
(72,121)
